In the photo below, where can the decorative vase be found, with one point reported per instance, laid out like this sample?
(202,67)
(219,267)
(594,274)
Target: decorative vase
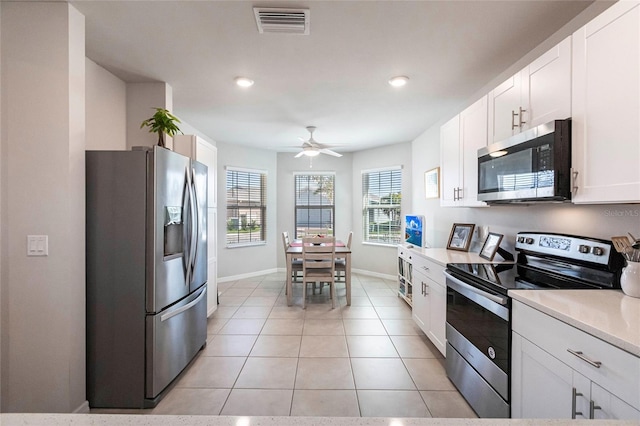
(630,279)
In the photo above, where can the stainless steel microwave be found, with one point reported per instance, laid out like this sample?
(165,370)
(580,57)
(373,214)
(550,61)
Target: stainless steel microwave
(532,166)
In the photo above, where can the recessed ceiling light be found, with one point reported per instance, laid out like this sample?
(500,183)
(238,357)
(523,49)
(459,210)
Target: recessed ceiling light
(399,81)
(244,82)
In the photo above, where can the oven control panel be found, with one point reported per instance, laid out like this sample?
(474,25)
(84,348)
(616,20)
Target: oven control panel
(564,246)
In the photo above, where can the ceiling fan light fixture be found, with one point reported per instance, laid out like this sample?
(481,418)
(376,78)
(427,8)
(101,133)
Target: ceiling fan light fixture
(310,152)
(399,81)
(244,82)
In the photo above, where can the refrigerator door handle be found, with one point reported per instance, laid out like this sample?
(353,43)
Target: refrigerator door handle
(169,315)
(189,249)
(195,228)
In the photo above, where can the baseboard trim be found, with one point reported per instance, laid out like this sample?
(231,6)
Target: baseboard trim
(247,275)
(374,274)
(82,409)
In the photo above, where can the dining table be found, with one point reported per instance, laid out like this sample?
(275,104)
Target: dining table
(342,252)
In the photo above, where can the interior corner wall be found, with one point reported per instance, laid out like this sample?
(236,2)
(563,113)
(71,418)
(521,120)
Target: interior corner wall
(142,98)
(248,259)
(287,166)
(378,258)
(106,109)
(43,140)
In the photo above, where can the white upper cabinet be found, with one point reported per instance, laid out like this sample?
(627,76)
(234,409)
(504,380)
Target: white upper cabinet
(606,107)
(541,92)
(460,139)
(450,161)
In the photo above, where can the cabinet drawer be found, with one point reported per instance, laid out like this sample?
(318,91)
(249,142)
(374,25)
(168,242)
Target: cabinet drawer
(429,268)
(619,370)
(406,254)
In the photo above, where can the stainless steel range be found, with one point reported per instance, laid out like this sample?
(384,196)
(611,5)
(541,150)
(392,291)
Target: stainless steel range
(479,308)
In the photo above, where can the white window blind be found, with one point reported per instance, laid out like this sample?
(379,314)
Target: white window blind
(246,207)
(381,198)
(315,208)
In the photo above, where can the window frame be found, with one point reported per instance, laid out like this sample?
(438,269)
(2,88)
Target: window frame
(261,207)
(368,207)
(331,206)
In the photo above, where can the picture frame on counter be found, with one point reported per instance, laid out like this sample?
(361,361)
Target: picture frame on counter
(460,237)
(432,183)
(491,245)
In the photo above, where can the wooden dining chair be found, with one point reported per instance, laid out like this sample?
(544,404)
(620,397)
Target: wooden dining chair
(318,265)
(341,262)
(296,264)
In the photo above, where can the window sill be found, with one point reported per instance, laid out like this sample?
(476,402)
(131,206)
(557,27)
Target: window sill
(241,245)
(393,245)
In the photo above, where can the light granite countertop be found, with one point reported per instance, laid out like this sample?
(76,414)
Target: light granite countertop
(443,256)
(167,420)
(607,314)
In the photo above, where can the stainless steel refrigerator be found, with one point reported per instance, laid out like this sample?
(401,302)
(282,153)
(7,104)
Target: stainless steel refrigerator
(146,228)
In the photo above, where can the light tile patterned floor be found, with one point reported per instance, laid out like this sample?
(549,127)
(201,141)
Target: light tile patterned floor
(264,358)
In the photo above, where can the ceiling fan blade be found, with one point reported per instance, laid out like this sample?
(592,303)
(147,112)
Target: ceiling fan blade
(329,152)
(300,154)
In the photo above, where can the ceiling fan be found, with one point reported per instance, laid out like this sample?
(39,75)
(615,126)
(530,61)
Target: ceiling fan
(311,148)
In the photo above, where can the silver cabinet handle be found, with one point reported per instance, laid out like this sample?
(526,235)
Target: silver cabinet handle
(574,394)
(513,119)
(455,194)
(580,355)
(592,408)
(460,193)
(574,179)
(520,120)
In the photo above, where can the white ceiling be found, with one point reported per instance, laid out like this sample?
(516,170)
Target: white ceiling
(335,78)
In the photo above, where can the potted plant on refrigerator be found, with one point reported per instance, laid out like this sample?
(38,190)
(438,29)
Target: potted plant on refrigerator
(162,122)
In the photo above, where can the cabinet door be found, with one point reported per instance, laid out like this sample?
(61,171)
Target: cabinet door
(504,102)
(473,136)
(608,406)
(438,315)
(547,87)
(420,309)
(606,106)
(541,385)
(450,161)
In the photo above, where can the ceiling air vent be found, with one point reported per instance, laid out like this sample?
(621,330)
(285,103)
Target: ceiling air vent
(283,21)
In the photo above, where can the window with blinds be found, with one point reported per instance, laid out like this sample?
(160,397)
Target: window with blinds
(315,209)
(246,207)
(381,197)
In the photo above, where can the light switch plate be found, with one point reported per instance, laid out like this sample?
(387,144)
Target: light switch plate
(37,245)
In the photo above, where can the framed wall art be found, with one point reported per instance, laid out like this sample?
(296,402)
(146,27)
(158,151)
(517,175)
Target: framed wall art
(432,183)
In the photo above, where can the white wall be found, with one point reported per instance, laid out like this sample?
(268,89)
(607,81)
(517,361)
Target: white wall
(43,142)
(142,98)
(287,166)
(106,111)
(246,260)
(376,258)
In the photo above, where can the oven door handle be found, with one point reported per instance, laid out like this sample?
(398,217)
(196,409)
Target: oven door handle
(494,298)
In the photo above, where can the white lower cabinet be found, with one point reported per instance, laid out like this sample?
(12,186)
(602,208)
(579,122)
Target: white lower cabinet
(430,300)
(596,381)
